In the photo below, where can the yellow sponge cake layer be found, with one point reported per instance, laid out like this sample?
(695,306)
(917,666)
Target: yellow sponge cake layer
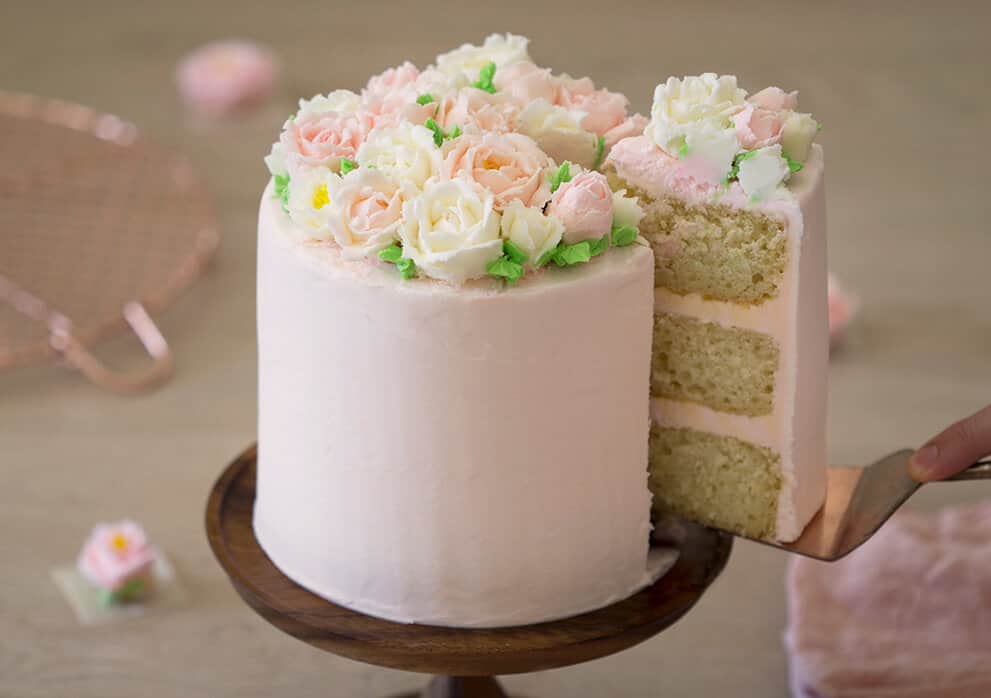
(718,480)
(725,368)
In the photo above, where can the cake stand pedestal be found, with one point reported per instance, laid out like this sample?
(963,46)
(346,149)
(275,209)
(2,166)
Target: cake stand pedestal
(464,661)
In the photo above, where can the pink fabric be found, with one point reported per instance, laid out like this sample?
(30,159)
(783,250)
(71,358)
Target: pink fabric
(906,615)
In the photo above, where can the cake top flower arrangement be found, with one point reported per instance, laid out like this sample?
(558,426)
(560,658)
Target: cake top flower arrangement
(722,137)
(482,164)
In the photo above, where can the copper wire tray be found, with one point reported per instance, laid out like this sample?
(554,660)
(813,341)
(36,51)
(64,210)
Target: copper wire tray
(97,227)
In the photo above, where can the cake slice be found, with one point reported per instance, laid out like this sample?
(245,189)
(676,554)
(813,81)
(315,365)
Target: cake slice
(732,191)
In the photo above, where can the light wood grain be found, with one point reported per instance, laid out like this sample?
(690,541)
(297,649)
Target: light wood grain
(901,90)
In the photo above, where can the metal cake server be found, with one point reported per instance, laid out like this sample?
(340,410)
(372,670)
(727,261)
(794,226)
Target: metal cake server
(858,501)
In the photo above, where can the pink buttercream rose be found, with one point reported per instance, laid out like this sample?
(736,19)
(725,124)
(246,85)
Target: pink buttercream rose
(394,82)
(775,99)
(116,554)
(604,110)
(584,206)
(510,165)
(323,139)
(389,112)
(525,82)
(757,127)
(629,127)
(477,111)
(223,76)
(368,211)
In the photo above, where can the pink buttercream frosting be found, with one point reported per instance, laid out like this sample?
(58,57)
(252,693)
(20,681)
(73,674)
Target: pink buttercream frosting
(645,165)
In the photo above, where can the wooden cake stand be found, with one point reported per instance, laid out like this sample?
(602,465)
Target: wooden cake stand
(465,661)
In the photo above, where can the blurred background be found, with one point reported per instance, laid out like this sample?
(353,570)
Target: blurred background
(902,91)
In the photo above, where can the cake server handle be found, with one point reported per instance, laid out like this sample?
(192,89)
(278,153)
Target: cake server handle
(147,332)
(981,470)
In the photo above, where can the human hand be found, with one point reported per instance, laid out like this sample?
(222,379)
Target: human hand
(954,449)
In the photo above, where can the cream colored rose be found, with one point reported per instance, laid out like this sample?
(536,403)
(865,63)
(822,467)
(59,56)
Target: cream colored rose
(530,230)
(451,230)
(559,133)
(510,165)
(501,49)
(309,204)
(406,153)
(762,171)
(366,212)
(340,101)
(797,134)
(626,209)
(694,117)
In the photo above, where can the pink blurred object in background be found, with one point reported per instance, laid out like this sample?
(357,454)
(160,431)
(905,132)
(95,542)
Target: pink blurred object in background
(842,308)
(224,76)
(908,615)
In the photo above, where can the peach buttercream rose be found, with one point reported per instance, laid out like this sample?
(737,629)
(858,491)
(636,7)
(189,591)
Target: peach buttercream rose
(389,112)
(775,99)
(322,139)
(451,230)
(525,82)
(631,126)
(393,82)
(366,211)
(585,207)
(510,165)
(604,110)
(757,127)
(117,555)
(477,111)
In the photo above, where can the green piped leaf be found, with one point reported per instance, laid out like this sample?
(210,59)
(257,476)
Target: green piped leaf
(281,186)
(454,132)
(734,171)
(406,267)
(623,235)
(683,150)
(546,257)
(347,166)
(512,251)
(600,150)
(391,254)
(438,131)
(425,98)
(569,255)
(562,175)
(793,165)
(599,246)
(505,268)
(485,76)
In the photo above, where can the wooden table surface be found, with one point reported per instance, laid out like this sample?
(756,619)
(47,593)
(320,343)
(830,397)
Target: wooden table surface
(902,90)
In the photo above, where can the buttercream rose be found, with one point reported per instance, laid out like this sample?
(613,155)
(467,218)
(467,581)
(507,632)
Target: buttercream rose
(451,230)
(322,139)
(626,210)
(310,196)
(693,117)
(509,165)
(797,134)
(530,230)
(604,110)
(116,556)
(339,101)
(559,133)
(393,82)
(525,82)
(501,49)
(631,126)
(775,99)
(366,212)
(406,152)
(757,127)
(585,207)
(762,171)
(477,111)
(389,112)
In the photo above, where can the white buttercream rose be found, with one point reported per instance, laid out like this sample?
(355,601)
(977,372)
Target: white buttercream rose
(510,165)
(451,230)
(406,152)
(762,171)
(559,133)
(340,101)
(367,208)
(501,49)
(310,194)
(530,230)
(693,116)
(797,134)
(626,209)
